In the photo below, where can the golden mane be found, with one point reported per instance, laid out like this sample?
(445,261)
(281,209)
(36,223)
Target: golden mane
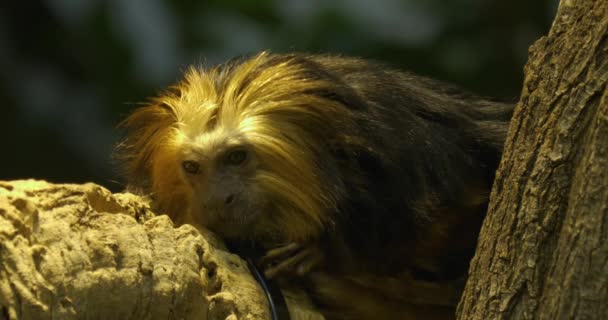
(280,105)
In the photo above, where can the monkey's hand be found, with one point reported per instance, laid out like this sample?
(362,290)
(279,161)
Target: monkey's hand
(291,259)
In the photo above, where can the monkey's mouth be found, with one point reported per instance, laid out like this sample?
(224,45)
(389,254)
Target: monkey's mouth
(234,222)
(238,217)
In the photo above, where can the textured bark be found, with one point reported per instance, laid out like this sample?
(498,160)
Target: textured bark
(543,248)
(80,252)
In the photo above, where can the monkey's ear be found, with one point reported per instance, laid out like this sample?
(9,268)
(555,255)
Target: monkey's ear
(145,129)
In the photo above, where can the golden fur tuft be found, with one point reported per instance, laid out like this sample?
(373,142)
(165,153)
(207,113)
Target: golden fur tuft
(264,101)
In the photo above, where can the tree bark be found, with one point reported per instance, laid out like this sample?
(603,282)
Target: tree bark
(543,248)
(79,252)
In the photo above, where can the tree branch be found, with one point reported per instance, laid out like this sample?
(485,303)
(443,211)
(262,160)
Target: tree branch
(78,251)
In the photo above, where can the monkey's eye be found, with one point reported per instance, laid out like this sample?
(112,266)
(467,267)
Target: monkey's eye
(236,157)
(191,167)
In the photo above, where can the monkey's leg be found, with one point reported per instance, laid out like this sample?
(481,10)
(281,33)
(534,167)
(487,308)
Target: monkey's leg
(292,258)
(345,298)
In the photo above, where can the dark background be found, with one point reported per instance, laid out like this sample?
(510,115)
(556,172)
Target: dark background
(70,70)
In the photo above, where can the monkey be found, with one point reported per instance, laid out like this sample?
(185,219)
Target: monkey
(366,184)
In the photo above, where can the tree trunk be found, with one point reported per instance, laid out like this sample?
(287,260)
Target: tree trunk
(543,249)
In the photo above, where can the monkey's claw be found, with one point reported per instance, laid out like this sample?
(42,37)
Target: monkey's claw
(292,258)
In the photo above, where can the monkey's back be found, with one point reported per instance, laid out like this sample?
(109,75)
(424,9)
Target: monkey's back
(418,198)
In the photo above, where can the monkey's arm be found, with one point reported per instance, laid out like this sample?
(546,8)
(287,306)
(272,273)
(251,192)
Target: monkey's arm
(363,295)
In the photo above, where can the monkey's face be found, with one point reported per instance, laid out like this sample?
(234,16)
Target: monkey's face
(221,172)
(245,183)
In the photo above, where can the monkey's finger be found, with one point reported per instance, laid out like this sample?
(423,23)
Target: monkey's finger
(308,264)
(287,264)
(278,253)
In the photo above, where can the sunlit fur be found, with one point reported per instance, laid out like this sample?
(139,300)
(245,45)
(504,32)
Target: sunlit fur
(275,107)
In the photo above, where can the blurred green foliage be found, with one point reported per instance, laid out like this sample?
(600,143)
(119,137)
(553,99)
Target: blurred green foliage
(70,70)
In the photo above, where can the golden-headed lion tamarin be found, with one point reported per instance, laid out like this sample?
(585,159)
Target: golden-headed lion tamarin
(367,181)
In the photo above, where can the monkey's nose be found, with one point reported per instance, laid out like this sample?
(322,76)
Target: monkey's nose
(220,202)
